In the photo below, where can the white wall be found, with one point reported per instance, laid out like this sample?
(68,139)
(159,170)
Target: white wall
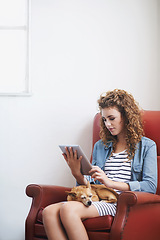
(78,50)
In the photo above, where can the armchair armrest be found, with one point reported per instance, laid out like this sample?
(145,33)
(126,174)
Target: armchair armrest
(137,211)
(42,196)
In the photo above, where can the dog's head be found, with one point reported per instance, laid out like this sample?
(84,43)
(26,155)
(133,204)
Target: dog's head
(81,194)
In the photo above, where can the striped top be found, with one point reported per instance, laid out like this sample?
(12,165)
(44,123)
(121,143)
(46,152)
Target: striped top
(118,168)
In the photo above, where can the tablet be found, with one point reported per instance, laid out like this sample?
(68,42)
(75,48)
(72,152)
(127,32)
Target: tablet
(85,163)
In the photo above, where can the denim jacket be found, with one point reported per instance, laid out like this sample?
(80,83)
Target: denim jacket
(143,165)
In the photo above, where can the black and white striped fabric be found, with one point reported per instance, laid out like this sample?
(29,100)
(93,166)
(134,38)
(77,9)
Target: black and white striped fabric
(117,168)
(104,208)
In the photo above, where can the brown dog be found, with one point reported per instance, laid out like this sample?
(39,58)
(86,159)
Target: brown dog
(90,193)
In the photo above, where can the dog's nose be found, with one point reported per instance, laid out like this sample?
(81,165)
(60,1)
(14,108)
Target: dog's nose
(89,203)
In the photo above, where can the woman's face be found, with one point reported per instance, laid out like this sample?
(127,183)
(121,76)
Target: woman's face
(113,121)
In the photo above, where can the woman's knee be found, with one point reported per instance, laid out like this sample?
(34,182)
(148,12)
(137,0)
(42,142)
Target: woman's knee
(70,210)
(50,211)
(76,210)
(46,212)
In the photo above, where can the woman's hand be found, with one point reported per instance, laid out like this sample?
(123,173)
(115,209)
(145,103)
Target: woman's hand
(73,161)
(99,174)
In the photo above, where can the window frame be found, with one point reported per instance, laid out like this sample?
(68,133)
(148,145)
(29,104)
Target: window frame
(27,84)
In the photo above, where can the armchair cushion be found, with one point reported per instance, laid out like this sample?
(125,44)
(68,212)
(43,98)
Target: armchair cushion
(99,223)
(39,216)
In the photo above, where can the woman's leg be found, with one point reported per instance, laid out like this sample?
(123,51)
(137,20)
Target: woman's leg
(52,222)
(72,214)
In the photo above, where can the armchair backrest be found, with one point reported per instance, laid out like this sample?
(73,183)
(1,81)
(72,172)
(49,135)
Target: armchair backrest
(151,122)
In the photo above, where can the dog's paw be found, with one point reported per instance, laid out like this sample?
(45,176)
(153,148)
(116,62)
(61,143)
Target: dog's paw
(109,201)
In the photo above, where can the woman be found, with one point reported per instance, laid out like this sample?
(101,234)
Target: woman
(123,160)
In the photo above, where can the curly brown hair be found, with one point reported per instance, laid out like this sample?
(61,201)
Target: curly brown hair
(130,111)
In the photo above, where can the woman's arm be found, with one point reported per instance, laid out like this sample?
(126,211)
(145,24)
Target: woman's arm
(99,174)
(145,176)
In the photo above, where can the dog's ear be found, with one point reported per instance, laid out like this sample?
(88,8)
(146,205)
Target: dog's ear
(88,185)
(72,194)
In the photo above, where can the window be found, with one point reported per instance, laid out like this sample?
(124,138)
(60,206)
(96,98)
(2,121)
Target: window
(14,47)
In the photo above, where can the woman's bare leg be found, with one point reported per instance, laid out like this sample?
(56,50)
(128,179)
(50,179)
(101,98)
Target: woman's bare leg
(72,214)
(52,222)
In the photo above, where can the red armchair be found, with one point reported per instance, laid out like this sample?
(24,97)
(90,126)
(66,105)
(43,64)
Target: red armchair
(138,213)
